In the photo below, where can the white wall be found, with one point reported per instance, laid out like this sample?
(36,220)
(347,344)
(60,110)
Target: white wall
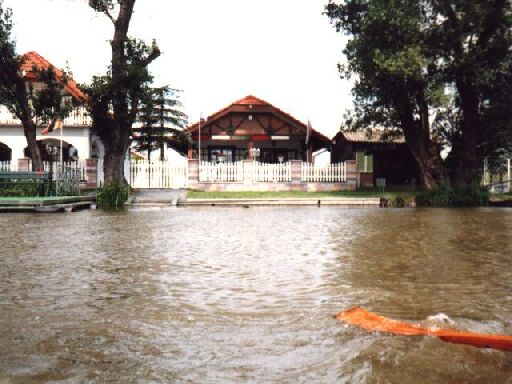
(322,158)
(78,137)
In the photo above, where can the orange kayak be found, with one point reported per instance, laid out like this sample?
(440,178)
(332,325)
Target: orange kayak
(372,322)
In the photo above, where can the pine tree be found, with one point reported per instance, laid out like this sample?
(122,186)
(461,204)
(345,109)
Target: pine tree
(161,122)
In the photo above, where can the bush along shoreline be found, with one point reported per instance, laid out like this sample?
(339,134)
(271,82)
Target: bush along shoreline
(447,196)
(112,197)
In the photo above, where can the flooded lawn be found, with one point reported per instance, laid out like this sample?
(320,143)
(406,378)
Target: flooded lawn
(234,295)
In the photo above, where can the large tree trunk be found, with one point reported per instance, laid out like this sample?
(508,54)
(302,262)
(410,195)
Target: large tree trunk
(428,167)
(424,151)
(116,144)
(29,129)
(113,166)
(468,159)
(115,112)
(162,151)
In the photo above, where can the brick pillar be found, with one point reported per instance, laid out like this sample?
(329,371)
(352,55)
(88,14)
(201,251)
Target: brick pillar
(352,174)
(193,173)
(91,171)
(248,171)
(296,171)
(24,165)
(250,145)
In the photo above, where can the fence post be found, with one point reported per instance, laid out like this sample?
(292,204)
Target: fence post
(127,163)
(193,173)
(296,171)
(24,165)
(509,174)
(351,172)
(91,170)
(248,171)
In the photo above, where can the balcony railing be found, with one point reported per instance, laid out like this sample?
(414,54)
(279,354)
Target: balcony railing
(78,117)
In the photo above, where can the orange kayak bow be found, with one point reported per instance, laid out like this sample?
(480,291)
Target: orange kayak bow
(372,322)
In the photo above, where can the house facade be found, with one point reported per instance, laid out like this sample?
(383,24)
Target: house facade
(253,129)
(376,156)
(78,141)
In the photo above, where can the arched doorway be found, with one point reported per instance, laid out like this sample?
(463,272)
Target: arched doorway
(69,153)
(5,152)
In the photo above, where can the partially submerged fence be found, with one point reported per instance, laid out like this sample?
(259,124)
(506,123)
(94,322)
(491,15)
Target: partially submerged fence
(497,175)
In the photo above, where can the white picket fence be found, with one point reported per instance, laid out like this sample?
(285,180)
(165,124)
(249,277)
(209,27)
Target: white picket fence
(157,174)
(276,173)
(332,173)
(221,172)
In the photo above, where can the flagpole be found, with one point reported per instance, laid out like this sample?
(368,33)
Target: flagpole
(61,136)
(199,151)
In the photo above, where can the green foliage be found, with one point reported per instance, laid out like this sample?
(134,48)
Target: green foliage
(446,196)
(414,60)
(25,188)
(161,121)
(113,196)
(41,104)
(398,202)
(114,98)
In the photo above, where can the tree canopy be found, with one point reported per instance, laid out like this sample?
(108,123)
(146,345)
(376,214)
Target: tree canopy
(115,97)
(161,122)
(436,70)
(32,105)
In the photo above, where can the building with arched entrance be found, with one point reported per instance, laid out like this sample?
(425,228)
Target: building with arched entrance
(75,138)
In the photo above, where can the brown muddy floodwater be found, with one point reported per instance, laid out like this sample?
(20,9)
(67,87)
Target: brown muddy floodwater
(229,295)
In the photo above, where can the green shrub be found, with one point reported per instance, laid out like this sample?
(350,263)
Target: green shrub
(398,202)
(112,196)
(447,196)
(26,188)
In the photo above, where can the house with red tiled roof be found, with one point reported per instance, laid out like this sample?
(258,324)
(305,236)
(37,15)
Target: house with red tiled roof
(378,154)
(254,129)
(77,138)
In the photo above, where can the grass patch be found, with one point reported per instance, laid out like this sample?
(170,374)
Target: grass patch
(289,194)
(501,196)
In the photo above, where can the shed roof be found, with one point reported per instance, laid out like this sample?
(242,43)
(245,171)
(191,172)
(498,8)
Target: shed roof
(373,136)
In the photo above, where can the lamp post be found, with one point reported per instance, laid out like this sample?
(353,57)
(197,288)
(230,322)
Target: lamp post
(52,151)
(255,152)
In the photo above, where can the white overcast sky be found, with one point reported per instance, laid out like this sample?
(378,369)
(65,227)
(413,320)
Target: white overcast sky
(283,51)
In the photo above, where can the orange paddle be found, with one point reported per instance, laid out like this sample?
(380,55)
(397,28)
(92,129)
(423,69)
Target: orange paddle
(372,322)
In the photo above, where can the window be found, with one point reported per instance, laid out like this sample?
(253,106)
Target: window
(277,155)
(240,154)
(364,162)
(220,155)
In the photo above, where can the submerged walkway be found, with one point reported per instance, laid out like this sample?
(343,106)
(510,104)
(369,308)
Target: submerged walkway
(45,204)
(175,197)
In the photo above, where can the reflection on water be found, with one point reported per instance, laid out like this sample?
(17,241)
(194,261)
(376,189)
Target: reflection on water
(234,295)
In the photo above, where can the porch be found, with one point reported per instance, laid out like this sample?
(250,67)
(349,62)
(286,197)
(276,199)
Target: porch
(248,175)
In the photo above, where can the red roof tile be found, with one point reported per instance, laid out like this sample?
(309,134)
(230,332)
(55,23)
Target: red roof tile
(33,59)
